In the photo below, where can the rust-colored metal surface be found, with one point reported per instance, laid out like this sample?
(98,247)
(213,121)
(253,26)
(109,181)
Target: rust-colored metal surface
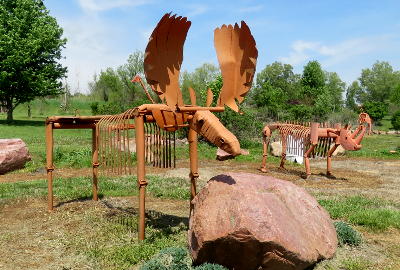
(364,118)
(237,57)
(310,140)
(71,122)
(153,126)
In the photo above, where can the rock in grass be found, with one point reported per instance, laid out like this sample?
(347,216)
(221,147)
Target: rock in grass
(276,149)
(13,155)
(249,221)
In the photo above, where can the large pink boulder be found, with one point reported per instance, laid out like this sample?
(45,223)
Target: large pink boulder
(13,155)
(249,221)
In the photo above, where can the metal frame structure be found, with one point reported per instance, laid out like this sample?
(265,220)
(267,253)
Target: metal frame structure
(70,122)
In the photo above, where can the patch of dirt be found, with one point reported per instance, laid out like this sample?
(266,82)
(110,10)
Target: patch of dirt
(372,178)
(32,238)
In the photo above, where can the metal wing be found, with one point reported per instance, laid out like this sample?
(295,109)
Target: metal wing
(237,57)
(163,57)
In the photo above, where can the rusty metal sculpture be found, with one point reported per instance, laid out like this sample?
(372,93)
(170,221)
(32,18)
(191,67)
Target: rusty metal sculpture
(153,125)
(364,118)
(313,140)
(237,56)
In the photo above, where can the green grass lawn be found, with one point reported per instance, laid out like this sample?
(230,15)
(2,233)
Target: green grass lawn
(378,146)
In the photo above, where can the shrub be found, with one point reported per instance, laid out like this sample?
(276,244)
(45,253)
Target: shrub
(346,234)
(169,259)
(94,106)
(210,266)
(345,116)
(176,259)
(245,126)
(396,120)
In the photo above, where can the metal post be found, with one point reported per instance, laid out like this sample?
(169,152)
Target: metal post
(140,154)
(194,166)
(49,164)
(95,160)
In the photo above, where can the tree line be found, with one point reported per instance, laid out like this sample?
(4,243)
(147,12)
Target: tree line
(30,49)
(278,92)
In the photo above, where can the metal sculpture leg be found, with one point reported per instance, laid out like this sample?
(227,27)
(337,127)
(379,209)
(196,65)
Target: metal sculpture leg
(95,161)
(329,159)
(307,160)
(263,167)
(283,159)
(49,164)
(194,174)
(142,183)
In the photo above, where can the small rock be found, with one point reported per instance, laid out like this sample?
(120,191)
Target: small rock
(222,155)
(276,149)
(339,151)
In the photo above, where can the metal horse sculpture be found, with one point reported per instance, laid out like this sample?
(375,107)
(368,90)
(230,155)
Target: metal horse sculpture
(313,140)
(237,56)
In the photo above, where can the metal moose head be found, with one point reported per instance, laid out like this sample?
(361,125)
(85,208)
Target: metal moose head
(237,56)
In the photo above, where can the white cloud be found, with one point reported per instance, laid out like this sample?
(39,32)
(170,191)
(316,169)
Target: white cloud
(93,45)
(101,5)
(333,54)
(250,9)
(195,10)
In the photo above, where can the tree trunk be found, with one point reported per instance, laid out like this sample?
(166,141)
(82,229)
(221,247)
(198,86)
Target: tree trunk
(10,110)
(10,115)
(29,111)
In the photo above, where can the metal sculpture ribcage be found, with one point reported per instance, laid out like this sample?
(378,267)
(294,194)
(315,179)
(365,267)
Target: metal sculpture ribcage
(154,124)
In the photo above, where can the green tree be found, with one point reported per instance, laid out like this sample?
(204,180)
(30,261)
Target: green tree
(30,47)
(395,95)
(351,96)
(378,83)
(313,82)
(107,86)
(198,80)
(335,88)
(376,110)
(396,120)
(276,86)
(215,86)
(132,92)
(114,86)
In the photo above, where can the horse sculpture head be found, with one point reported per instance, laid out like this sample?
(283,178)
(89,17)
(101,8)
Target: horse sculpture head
(351,141)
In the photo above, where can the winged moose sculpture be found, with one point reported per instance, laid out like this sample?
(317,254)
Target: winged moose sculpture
(237,56)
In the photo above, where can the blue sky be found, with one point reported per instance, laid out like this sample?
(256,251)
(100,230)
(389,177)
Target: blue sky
(344,36)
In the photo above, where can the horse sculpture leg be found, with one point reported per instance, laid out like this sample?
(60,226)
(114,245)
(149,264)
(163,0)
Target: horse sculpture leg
(307,160)
(266,140)
(329,159)
(283,157)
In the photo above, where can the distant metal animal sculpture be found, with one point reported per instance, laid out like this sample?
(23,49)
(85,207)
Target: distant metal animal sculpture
(155,123)
(364,118)
(312,140)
